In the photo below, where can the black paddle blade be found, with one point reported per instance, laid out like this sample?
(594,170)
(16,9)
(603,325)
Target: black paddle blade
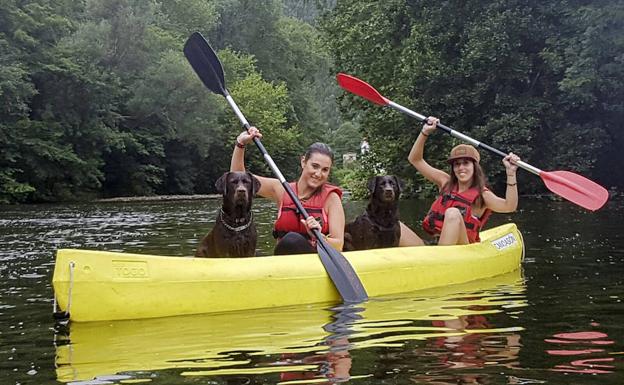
(341,273)
(205,63)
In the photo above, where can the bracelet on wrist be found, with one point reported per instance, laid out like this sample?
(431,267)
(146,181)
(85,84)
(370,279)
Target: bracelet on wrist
(512,184)
(423,133)
(239,144)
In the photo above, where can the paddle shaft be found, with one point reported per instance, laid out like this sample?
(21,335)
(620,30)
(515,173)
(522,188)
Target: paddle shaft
(464,137)
(271,163)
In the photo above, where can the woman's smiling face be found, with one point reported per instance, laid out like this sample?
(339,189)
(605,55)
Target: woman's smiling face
(315,170)
(464,170)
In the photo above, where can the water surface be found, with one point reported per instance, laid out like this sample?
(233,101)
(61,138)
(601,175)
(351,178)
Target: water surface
(557,321)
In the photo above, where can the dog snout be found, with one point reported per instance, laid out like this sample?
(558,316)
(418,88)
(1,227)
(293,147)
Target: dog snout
(240,189)
(387,191)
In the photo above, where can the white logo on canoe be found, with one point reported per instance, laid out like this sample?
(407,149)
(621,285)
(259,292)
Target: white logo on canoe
(504,242)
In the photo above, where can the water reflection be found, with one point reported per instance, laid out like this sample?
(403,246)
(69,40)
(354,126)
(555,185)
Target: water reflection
(584,350)
(334,364)
(458,358)
(453,327)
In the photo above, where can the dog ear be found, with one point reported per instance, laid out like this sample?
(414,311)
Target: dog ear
(399,183)
(255,183)
(372,182)
(221,184)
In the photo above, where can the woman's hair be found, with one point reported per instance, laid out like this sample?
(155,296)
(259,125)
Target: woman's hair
(478,180)
(318,148)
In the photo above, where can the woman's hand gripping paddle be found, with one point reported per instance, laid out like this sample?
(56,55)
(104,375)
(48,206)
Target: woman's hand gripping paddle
(206,64)
(573,187)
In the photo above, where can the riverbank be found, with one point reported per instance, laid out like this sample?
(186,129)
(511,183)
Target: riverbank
(159,198)
(346,196)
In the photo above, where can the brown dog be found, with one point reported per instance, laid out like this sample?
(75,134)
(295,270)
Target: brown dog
(379,226)
(234,232)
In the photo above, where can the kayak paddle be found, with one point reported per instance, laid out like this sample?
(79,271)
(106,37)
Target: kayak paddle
(207,66)
(573,187)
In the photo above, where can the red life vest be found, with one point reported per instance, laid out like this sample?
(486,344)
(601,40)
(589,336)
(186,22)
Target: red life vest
(289,218)
(463,201)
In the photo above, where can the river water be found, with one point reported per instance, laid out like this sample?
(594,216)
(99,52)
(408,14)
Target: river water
(559,320)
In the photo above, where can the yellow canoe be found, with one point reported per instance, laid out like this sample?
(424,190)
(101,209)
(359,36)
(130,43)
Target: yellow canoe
(226,343)
(100,285)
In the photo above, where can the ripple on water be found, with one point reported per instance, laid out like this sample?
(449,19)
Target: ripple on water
(570,255)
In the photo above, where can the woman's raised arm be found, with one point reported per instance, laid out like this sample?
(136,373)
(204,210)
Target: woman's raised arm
(270,188)
(416,155)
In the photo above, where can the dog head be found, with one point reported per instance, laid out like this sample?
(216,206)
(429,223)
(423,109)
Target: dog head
(237,187)
(385,188)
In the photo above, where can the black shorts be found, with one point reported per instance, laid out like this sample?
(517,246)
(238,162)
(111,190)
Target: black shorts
(293,243)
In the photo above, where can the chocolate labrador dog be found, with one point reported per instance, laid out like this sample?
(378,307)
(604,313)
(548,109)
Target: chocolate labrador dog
(234,232)
(379,226)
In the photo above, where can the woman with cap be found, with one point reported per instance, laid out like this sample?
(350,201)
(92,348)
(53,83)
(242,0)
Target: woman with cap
(465,202)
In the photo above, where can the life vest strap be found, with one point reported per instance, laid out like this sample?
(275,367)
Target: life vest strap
(433,216)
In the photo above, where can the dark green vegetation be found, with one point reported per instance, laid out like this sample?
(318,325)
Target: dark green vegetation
(545,79)
(98,100)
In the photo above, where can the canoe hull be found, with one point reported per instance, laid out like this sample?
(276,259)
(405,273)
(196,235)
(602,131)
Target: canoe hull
(210,344)
(99,285)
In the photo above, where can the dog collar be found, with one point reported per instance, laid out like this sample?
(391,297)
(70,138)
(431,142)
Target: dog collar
(238,228)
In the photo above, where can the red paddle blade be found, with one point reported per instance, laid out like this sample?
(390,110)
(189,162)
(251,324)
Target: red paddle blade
(361,88)
(575,188)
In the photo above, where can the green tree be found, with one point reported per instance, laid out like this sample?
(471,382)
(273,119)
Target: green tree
(590,73)
(99,100)
(287,50)
(40,162)
(346,138)
(266,105)
(509,73)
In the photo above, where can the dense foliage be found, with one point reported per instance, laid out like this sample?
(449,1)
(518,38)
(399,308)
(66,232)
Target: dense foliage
(98,100)
(544,79)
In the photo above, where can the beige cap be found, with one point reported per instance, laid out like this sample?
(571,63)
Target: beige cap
(464,151)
